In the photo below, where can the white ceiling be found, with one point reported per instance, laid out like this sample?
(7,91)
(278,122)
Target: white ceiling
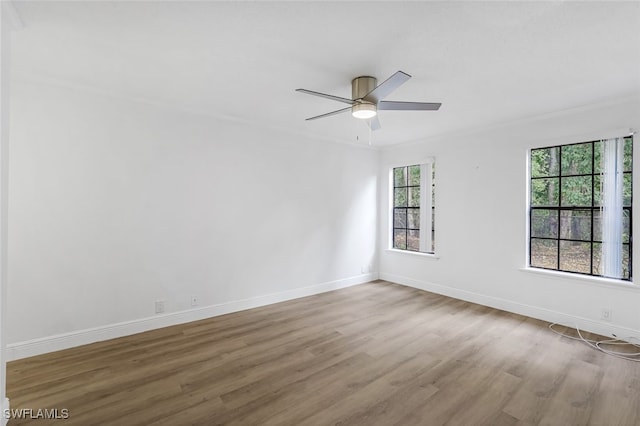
(487,62)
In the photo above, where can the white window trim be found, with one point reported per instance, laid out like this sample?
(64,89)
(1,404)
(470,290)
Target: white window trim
(527,212)
(431,256)
(591,279)
(426,181)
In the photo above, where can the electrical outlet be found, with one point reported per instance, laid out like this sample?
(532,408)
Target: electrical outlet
(606,314)
(194,300)
(159,306)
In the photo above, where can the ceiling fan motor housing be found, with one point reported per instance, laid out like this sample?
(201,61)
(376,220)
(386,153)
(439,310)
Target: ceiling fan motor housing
(361,86)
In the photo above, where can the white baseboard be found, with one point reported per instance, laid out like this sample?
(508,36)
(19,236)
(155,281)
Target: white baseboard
(5,409)
(598,327)
(82,337)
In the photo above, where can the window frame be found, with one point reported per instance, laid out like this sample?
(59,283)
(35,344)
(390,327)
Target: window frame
(593,208)
(426,203)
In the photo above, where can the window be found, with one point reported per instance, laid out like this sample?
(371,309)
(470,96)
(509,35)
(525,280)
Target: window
(580,208)
(413,201)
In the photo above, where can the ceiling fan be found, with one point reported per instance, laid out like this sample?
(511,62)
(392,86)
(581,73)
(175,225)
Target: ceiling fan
(367,99)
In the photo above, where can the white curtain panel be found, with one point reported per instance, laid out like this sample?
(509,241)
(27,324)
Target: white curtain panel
(611,206)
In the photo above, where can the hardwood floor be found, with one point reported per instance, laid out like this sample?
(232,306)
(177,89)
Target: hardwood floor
(374,354)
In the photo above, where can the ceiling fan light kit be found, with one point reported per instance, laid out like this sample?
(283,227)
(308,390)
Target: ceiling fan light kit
(367,98)
(364,110)
(361,87)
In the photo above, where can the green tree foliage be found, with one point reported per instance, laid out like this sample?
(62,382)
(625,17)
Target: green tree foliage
(400,190)
(577,160)
(406,181)
(406,202)
(544,165)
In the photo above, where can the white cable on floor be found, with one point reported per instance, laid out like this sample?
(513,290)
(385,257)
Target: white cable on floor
(596,344)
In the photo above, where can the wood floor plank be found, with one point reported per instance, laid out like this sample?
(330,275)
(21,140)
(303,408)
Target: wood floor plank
(573,401)
(616,401)
(383,397)
(373,354)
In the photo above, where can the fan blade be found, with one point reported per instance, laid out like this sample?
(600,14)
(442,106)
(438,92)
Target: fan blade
(324,95)
(387,86)
(374,123)
(408,106)
(330,113)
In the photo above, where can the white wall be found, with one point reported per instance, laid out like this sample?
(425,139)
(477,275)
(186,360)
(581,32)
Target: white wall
(481,221)
(4,142)
(115,204)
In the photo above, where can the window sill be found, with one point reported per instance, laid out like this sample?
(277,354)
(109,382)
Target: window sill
(431,256)
(598,281)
